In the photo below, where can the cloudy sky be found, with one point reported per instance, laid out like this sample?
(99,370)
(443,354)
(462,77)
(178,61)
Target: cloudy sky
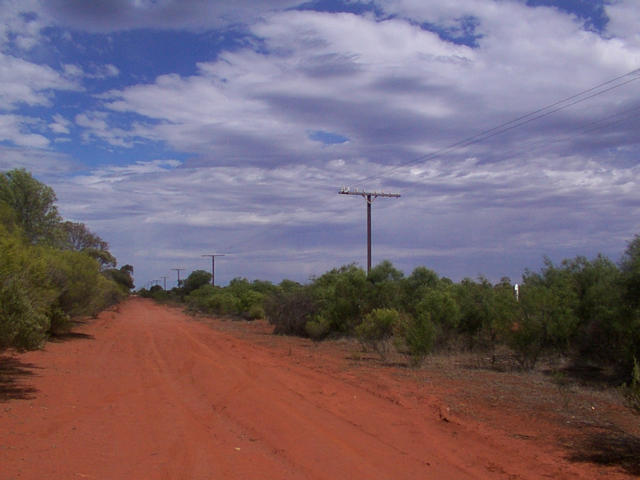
(173,129)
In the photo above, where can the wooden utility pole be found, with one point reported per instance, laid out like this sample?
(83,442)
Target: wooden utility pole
(369,198)
(213,266)
(178,270)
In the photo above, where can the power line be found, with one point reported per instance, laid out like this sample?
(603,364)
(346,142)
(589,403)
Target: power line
(597,125)
(521,120)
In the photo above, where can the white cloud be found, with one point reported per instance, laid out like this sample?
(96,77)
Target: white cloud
(17,27)
(42,163)
(384,85)
(624,18)
(98,125)
(60,125)
(13,129)
(27,83)
(476,210)
(72,70)
(246,97)
(166,14)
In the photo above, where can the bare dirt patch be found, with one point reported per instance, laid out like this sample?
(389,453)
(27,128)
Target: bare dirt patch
(148,392)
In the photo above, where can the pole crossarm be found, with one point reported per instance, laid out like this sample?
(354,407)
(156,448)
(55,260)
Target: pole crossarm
(367,195)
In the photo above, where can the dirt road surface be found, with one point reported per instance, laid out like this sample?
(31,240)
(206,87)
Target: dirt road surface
(147,392)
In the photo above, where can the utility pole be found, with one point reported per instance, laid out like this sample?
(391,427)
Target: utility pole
(178,270)
(164,278)
(213,266)
(369,198)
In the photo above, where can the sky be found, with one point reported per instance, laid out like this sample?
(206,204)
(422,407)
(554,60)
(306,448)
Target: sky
(175,129)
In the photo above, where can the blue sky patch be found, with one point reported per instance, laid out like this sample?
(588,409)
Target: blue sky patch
(328,138)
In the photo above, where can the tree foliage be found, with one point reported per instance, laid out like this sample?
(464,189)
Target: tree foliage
(583,310)
(33,204)
(45,281)
(195,280)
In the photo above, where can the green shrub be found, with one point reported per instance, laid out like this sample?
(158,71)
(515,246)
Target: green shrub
(440,306)
(22,325)
(25,294)
(255,312)
(416,336)
(384,287)
(250,304)
(546,317)
(289,311)
(318,328)
(377,328)
(60,322)
(196,300)
(195,280)
(340,296)
(223,303)
(44,280)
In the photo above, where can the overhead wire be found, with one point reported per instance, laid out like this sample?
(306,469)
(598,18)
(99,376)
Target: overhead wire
(517,122)
(500,129)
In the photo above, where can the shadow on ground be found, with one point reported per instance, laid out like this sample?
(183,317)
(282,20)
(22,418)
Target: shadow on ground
(13,373)
(614,449)
(68,336)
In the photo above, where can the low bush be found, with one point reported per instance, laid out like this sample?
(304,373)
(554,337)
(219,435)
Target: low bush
(415,337)
(318,328)
(377,328)
(290,311)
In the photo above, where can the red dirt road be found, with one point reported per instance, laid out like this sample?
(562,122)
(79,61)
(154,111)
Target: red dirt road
(152,394)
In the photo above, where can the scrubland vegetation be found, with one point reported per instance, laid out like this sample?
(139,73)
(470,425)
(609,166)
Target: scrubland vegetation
(51,270)
(583,311)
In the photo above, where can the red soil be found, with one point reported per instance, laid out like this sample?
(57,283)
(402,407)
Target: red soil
(146,392)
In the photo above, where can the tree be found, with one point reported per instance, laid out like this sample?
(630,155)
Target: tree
(415,285)
(385,280)
(341,297)
(547,317)
(195,280)
(34,205)
(78,237)
(599,309)
(630,267)
(121,276)
(43,283)
(475,302)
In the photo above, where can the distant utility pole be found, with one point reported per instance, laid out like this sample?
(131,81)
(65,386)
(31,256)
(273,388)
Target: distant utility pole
(178,270)
(369,198)
(164,278)
(213,265)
